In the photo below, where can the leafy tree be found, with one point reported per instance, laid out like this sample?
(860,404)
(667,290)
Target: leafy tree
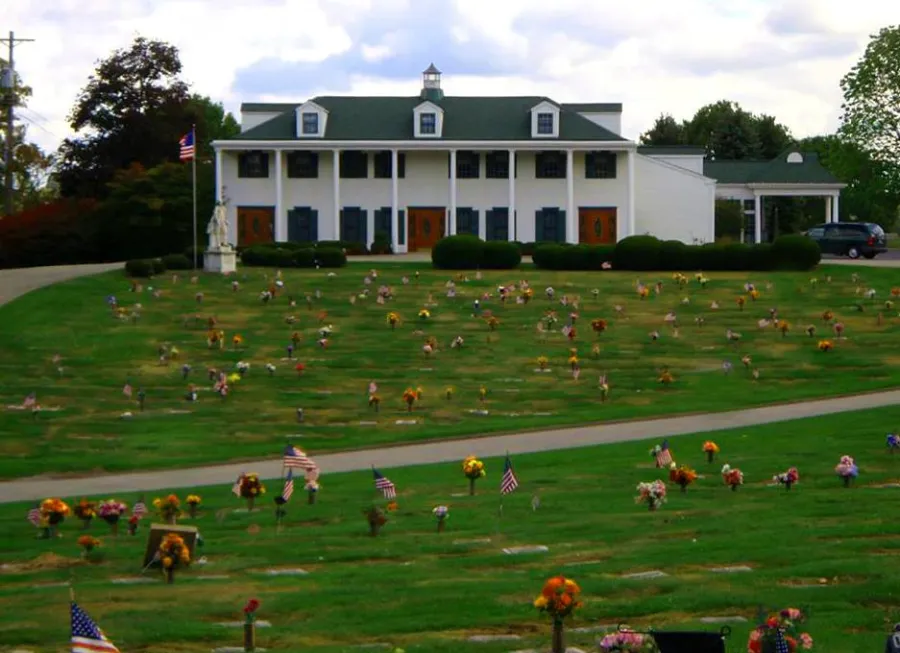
(729,219)
(213,123)
(871,106)
(665,131)
(133,109)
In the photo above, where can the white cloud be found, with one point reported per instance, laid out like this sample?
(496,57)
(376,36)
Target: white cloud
(783,57)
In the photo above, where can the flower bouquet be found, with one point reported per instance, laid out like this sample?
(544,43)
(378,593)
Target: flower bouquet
(168,508)
(732,477)
(473,469)
(133,522)
(193,501)
(173,554)
(441,513)
(628,641)
(250,624)
(653,494)
(710,448)
(683,476)
(787,478)
(599,325)
(375,517)
(250,487)
(53,513)
(559,599)
(847,470)
(88,544)
(393,319)
(409,398)
(111,511)
(85,511)
(779,633)
(893,442)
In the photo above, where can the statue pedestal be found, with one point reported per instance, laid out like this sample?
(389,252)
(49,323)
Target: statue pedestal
(222,260)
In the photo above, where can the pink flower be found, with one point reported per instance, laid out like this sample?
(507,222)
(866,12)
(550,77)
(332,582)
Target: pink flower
(806,641)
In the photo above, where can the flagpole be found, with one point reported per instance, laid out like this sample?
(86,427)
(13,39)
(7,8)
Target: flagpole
(194,184)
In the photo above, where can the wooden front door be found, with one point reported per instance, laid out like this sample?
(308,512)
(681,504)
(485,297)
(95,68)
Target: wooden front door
(426,227)
(596,226)
(256,224)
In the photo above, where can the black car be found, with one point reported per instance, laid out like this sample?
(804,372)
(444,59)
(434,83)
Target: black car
(853,239)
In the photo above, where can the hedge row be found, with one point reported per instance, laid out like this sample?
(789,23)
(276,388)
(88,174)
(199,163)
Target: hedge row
(466,252)
(324,254)
(649,253)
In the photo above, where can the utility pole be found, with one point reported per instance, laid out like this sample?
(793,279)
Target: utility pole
(8,84)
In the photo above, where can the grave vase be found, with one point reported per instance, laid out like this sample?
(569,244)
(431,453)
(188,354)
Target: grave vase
(651,505)
(114,527)
(787,485)
(170,575)
(192,510)
(250,502)
(86,523)
(709,456)
(311,497)
(847,480)
(170,519)
(471,487)
(734,487)
(440,525)
(559,643)
(249,636)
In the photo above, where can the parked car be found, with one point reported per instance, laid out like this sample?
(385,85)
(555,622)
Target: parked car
(853,239)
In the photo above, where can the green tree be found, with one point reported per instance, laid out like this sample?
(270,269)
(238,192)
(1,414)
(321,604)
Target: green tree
(213,123)
(665,131)
(729,219)
(871,117)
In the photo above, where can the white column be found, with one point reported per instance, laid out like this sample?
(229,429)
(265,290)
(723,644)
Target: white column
(632,219)
(219,175)
(828,210)
(511,224)
(836,207)
(395,209)
(451,219)
(280,217)
(336,191)
(757,218)
(571,218)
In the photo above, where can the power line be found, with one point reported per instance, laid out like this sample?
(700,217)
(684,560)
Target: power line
(8,83)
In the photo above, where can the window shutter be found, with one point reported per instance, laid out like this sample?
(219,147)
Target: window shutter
(342,230)
(489,225)
(538,226)
(401,165)
(363,221)
(401,227)
(561,227)
(314,225)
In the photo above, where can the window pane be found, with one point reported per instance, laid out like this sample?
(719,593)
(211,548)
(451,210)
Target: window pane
(427,123)
(545,123)
(310,123)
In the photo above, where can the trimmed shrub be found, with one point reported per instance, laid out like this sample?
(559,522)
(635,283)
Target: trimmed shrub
(527,248)
(330,257)
(381,244)
(563,256)
(761,257)
(303,257)
(500,255)
(461,252)
(673,255)
(177,262)
(158,266)
(637,253)
(794,252)
(140,267)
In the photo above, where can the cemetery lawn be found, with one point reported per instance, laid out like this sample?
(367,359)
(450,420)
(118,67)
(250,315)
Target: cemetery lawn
(821,547)
(80,429)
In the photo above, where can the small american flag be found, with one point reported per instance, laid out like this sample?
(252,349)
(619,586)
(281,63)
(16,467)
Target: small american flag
(509,482)
(384,484)
(293,457)
(30,401)
(34,515)
(664,455)
(139,509)
(127,390)
(187,146)
(86,636)
(236,488)
(781,645)
(288,490)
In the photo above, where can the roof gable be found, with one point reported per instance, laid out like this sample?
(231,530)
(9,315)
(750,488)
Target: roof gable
(465,119)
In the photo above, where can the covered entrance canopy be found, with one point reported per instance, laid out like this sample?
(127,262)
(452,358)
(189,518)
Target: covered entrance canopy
(792,174)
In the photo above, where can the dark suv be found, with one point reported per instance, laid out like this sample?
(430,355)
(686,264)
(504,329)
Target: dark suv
(853,239)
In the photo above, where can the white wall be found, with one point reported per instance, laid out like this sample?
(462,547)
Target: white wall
(611,121)
(672,203)
(426,184)
(252,119)
(692,162)
(733,192)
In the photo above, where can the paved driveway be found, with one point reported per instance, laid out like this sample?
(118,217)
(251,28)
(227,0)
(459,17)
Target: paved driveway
(14,283)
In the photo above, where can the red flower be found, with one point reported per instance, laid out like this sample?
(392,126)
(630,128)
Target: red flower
(300,367)
(252,606)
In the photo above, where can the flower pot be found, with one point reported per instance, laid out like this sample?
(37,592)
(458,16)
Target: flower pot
(683,487)
(651,505)
(86,523)
(440,525)
(787,485)
(192,510)
(132,529)
(559,643)
(250,636)
(250,503)
(114,528)
(709,456)
(171,519)
(471,487)
(311,498)
(847,480)
(54,518)
(170,576)
(374,528)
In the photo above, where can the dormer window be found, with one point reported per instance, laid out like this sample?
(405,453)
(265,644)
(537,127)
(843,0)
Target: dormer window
(427,123)
(545,124)
(310,123)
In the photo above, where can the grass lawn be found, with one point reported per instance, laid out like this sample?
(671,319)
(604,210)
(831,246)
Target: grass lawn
(820,547)
(100,353)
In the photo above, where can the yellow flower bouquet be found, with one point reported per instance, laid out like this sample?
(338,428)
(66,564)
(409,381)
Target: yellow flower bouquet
(393,319)
(559,598)
(85,511)
(409,398)
(250,487)
(473,469)
(168,508)
(193,501)
(173,554)
(710,448)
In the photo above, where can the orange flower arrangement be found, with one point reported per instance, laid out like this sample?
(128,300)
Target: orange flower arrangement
(826,345)
(173,554)
(88,543)
(493,323)
(666,378)
(784,327)
(598,325)
(409,397)
(827,316)
(741,301)
(754,294)
(237,340)
(559,597)
(168,508)
(710,448)
(683,475)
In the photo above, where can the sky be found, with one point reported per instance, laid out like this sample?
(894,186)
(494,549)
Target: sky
(780,57)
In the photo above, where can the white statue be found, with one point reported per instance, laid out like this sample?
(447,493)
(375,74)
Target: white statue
(217,230)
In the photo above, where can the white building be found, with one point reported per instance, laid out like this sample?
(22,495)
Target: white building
(419,167)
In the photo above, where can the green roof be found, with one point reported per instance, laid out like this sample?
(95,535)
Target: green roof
(671,150)
(266,107)
(593,107)
(391,119)
(776,171)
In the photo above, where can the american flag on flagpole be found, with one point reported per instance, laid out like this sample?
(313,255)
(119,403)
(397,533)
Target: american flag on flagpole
(187,146)
(664,455)
(384,485)
(509,482)
(288,490)
(127,390)
(34,515)
(30,401)
(236,488)
(293,457)
(86,636)
(139,509)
